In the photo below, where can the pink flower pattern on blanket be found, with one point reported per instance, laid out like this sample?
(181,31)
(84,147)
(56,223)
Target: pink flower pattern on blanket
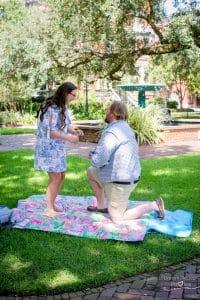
(76,220)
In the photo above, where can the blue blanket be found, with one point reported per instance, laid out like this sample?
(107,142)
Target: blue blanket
(177,223)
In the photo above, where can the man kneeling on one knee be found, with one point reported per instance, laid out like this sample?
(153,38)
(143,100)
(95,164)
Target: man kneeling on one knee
(115,169)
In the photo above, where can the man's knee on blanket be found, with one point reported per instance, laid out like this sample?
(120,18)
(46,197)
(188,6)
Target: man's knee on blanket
(117,196)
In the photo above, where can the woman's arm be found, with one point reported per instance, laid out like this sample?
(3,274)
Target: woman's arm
(72,138)
(78,132)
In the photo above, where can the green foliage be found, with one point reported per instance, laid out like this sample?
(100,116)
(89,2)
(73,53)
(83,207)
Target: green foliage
(159,101)
(15,118)
(172,104)
(35,262)
(146,123)
(28,119)
(107,38)
(96,109)
(23,54)
(87,38)
(180,69)
(11,10)
(28,106)
(10,118)
(193,82)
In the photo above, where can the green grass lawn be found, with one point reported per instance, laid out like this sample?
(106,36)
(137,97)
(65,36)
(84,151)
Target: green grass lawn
(185,115)
(34,262)
(16,130)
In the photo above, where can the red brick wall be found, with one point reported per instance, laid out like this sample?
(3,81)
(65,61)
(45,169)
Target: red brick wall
(170,134)
(181,133)
(91,133)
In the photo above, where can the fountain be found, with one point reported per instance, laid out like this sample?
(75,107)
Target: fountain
(141,88)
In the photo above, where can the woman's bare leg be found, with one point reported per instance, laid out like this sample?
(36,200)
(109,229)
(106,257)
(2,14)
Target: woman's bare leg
(53,188)
(57,209)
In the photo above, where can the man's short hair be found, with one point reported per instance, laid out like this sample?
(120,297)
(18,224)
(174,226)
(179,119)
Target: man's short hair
(119,109)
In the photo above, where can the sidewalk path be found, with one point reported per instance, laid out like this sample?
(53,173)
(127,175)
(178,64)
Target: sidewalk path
(27,141)
(181,281)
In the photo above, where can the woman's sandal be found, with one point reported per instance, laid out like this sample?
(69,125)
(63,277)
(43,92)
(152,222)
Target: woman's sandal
(161,208)
(96,209)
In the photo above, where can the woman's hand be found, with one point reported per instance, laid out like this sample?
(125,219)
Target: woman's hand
(77,132)
(72,138)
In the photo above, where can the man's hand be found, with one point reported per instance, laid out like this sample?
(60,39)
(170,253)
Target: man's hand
(91,153)
(79,132)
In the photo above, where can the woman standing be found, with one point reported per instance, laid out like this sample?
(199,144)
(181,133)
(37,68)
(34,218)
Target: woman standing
(54,129)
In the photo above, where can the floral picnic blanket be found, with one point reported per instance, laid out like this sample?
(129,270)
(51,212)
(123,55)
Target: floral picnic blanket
(77,221)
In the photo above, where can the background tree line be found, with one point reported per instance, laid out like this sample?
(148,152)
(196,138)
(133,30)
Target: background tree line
(55,40)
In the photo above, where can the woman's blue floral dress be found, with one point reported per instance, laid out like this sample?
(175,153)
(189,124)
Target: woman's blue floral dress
(50,153)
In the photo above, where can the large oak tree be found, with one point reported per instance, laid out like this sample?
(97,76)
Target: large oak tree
(109,36)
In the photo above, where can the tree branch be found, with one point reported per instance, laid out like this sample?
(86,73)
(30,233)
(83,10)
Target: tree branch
(157,49)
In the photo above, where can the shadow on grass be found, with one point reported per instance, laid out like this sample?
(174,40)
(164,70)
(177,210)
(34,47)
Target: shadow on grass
(43,263)
(34,262)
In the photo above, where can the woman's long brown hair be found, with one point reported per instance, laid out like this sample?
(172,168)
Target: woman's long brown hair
(57,99)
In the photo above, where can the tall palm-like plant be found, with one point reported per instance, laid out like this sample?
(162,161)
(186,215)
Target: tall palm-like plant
(146,123)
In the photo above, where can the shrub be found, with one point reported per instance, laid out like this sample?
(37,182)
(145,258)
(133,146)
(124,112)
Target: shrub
(28,119)
(10,118)
(146,123)
(172,104)
(159,101)
(15,118)
(96,109)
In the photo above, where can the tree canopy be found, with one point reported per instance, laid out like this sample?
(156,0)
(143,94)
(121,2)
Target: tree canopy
(23,52)
(111,35)
(58,38)
(180,70)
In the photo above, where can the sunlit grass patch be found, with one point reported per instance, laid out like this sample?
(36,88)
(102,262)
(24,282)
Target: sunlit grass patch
(34,262)
(16,130)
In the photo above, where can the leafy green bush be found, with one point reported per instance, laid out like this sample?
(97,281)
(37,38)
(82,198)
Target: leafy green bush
(172,104)
(10,118)
(146,123)
(159,101)
(15,118)
(28,119)
(96,109)
(29,106)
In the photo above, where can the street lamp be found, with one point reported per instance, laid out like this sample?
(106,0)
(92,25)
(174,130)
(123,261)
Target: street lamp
(86,92)
(86,55)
